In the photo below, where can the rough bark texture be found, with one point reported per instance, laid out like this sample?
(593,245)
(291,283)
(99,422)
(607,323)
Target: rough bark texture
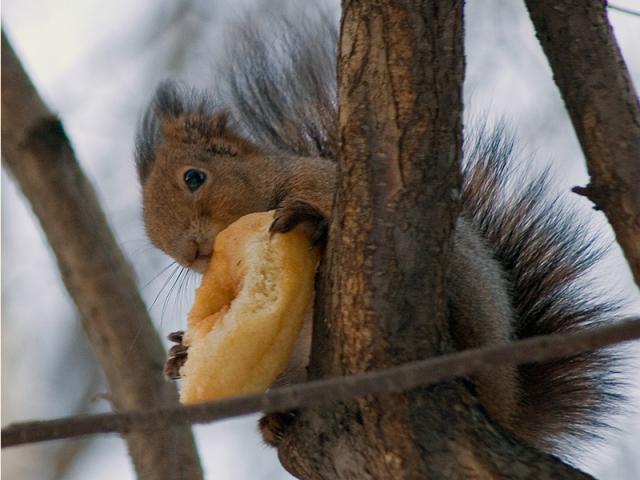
(597,90)
(381,301)
(36,151)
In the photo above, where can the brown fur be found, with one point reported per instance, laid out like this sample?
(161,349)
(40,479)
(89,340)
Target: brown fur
(181,134)
(183,223)
(519,254)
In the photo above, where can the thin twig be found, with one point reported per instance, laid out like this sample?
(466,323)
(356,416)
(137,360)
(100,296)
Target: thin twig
(623,10)
(386,381)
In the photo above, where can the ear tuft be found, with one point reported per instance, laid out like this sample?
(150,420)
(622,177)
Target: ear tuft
(185,116)
(220,124)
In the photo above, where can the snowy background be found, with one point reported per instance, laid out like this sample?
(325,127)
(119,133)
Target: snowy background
(96,64)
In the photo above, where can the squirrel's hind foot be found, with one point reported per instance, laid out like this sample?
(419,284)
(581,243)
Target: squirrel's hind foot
(273,426)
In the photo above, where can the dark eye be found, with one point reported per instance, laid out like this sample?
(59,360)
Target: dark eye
(194,178)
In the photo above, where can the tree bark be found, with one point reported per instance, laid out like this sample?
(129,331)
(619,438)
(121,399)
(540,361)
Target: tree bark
(603,105)
(38,155)
(381,298)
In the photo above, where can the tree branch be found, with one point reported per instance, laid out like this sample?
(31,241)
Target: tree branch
(331,390)
(38,155)
(597,90)
(628,11)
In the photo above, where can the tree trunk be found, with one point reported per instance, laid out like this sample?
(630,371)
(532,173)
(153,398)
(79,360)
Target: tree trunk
(381,298)
(597,90)
(37,153)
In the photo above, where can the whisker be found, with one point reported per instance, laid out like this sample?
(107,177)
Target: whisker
(167,281)
(163,270)
(181,291)
(170,292)
(188,285)
(137,335)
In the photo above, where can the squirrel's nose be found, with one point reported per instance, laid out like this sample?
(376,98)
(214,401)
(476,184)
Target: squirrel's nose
(201,256)
(204,249)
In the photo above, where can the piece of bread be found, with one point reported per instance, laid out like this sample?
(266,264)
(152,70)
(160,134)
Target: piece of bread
(248,310)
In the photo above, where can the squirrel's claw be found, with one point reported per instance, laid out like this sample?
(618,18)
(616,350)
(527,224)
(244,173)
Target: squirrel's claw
(299,212)
(172,367)
(176,337)
(177,356)
(178,351)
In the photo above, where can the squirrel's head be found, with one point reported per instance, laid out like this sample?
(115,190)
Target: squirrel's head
(197,175)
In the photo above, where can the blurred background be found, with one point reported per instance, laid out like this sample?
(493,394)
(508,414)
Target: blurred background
(96,64)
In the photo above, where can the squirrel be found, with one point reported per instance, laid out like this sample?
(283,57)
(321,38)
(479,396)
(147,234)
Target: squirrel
(266,140)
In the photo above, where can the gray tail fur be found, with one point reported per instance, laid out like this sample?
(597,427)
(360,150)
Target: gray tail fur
(547,253)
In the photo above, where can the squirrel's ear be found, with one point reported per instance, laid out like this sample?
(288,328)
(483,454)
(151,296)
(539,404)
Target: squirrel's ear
(194,128)
(224,137)
(220,124)
(210,130)
(169,128)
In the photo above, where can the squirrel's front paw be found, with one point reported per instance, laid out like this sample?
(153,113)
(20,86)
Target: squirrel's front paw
(297,212)
(177,356)
(274,425)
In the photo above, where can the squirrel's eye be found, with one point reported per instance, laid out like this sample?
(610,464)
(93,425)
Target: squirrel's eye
(194,178)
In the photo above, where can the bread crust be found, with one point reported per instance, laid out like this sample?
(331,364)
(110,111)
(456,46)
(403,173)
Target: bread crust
(248,311)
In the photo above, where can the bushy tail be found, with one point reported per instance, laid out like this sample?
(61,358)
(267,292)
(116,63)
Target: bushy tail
(547,252)
(281,88)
